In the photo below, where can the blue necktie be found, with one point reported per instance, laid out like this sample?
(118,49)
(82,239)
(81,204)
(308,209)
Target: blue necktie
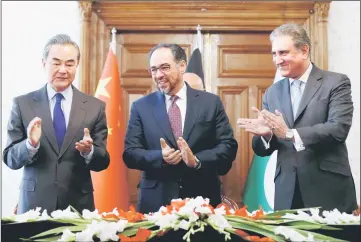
(59,120)
(296,94)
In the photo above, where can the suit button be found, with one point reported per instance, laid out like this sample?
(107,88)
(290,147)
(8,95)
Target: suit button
(180,186)
(294,168)
(56,183)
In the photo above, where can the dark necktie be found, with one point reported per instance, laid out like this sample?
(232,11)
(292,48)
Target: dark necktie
(59,120)
(175,118)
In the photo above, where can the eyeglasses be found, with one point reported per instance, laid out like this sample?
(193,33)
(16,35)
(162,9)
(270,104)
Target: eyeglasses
(165,68)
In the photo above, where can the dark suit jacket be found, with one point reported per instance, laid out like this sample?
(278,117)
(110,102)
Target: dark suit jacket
(323,121)
(55,179)
(208,134)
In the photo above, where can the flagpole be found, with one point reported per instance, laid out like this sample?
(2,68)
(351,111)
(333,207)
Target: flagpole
(113,44)
(199,39)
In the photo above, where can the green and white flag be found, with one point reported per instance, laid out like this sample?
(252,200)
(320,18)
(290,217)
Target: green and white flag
(259,189)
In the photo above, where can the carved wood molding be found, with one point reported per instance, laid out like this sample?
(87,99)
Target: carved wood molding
(316,26)
(94,44)
(85,8)
(322,9)
(211,15)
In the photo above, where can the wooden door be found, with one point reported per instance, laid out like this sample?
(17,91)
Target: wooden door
(239,72)
(238,68)
(136,81)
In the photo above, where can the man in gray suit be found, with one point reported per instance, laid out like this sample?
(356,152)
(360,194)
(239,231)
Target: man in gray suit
(58,134)
(306,117)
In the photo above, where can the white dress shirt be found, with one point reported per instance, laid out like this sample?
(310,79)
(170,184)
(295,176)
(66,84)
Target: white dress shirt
(181,102)
(298,144)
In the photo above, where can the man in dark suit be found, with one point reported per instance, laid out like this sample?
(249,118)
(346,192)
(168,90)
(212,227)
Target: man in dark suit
(306,117)
(178,136)
(58,134)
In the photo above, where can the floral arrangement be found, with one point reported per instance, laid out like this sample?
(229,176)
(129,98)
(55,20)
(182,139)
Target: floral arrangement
(191,215)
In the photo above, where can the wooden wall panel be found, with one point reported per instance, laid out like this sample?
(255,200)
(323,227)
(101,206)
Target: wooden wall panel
(235,101)
(243,61)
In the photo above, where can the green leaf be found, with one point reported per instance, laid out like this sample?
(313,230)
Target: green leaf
(7,220)
(76,211)
(283,212)
(59,230)
(319,237)
(133,230)
(75,221)
(48,239)
(306,225)
(259,230)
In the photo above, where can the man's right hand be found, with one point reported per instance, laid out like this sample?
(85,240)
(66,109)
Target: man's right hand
(170,155)
(256,126)
(34,131)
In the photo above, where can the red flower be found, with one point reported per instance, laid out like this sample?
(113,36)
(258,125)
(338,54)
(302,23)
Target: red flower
(141,236)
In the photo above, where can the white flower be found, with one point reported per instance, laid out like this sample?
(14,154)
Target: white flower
(289,233)
(163,221)
(32,214)
(67,236)
(329,217)
(121,225)
(64,214)
(44,215)
(104,230)
(219,221)
(91,215)
(183,224)
(203,210)
(220,211)
(115,212)
(335,217)
(85,235)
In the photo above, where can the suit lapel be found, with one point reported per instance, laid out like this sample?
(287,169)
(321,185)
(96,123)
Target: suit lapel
(313,84)
(42,110)
(76,119)
(191,113)
(162,119)
(284,98)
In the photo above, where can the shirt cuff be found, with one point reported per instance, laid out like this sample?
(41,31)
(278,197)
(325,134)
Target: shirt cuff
(32,150)
(266,144)
(89,156)
(298,144)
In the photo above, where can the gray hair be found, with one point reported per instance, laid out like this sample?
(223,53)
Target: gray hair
(178,53)
(60,39)
(296,32)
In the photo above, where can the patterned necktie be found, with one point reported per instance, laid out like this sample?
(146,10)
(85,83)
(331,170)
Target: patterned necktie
(175,118)
(296,95)
(59,120)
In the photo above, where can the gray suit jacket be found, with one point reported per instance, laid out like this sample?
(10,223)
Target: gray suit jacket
(54,179)
(323,121)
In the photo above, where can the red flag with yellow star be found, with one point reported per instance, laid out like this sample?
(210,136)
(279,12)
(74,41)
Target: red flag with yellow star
(110,185)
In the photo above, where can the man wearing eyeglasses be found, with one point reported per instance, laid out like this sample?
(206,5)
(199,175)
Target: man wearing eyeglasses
(178,136)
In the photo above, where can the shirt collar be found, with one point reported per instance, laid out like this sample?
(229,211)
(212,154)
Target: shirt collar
(67,93)
(182,93)
(305,75)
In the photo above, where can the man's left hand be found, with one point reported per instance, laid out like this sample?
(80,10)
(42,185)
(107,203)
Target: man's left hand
(276,123)
(187,154)
(85,145)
